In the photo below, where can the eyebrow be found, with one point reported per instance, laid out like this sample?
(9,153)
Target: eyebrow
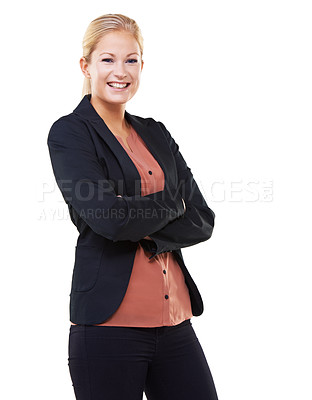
(112,54)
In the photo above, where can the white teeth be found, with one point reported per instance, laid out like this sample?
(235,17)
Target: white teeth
(118,85)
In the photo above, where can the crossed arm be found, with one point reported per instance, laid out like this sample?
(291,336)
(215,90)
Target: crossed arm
(184,208)
(174,222)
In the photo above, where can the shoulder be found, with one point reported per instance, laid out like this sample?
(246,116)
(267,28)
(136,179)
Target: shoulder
(161,128)
(146,120)
(67,127)
(154,124)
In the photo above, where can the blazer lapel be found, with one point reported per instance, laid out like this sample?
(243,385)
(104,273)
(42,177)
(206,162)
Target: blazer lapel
(153,140)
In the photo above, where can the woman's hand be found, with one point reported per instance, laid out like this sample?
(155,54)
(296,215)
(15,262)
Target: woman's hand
(147,237)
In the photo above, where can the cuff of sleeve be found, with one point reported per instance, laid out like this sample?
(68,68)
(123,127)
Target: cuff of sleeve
(180,205)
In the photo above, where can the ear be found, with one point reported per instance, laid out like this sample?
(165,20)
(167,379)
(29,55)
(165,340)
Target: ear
(142,63)
(84,67)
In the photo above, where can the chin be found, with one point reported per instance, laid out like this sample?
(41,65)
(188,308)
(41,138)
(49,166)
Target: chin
(112,100)
(117,101)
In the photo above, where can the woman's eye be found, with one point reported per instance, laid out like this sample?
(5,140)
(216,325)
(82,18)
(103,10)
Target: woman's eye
(131,61)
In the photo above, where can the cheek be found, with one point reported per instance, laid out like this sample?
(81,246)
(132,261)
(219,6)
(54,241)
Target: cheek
(100,73)
(137,78)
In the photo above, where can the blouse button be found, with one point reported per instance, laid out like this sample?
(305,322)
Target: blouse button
(150,172)
(166,297)
(164,271)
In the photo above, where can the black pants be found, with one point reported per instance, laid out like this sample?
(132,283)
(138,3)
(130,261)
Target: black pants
(119,363)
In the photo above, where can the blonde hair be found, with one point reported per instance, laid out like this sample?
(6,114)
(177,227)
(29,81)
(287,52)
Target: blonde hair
(101,26)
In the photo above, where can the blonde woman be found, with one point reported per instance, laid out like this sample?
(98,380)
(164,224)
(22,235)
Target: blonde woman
(135,204)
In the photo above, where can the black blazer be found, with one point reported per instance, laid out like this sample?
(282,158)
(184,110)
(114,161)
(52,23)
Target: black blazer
(91,168)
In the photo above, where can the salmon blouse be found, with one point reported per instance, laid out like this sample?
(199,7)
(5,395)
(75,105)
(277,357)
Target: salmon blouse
(157,294)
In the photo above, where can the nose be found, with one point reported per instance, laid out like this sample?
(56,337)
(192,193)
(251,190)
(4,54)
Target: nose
(119,70)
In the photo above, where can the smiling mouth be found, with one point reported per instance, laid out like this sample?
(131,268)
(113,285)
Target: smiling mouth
(116,85)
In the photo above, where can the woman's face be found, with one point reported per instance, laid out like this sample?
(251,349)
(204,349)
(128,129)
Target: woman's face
(115,59)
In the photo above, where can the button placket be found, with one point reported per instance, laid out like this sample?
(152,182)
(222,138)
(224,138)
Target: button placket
(163,263)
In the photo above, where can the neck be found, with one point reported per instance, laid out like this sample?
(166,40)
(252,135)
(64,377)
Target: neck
(112,114)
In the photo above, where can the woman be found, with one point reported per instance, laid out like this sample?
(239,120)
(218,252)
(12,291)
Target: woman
(135,204)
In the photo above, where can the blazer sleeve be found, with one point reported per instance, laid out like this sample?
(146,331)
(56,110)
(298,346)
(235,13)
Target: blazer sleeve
(84,186)
(196,224)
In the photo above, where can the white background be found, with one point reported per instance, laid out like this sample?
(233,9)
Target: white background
(231,80)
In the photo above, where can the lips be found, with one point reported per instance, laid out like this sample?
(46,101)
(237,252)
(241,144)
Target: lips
(111,84)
